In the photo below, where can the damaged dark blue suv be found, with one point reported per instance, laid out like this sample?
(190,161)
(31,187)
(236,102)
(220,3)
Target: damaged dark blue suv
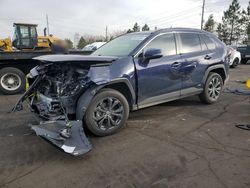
(131,72)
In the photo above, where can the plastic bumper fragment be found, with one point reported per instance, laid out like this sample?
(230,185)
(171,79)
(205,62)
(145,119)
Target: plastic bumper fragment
(76,144)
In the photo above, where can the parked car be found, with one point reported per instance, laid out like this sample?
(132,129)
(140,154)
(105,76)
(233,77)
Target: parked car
(131,72)
(245,53)
(93,46)
(235,56)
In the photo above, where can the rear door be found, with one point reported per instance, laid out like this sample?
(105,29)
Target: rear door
(196,57)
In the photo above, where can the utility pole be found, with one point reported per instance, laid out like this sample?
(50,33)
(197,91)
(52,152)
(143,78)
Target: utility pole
(47,19)
(106,34)
(202,14)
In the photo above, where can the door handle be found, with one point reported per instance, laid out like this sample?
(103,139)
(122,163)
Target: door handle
(176,65)
(207,57)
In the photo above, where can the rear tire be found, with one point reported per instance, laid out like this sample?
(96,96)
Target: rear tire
(213,88)
(12,81)
(107,113)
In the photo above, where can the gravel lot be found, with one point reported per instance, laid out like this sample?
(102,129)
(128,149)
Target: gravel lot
(178,144)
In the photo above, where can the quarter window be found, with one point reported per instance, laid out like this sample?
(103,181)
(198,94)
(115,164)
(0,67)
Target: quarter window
(190,42)
(203,44)
(164,42)
(210,44)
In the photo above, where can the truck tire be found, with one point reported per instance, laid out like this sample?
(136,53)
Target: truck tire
(107,113)
(212,89)
(12,81)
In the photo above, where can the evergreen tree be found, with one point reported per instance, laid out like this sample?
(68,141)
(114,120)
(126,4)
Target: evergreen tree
(223,34)
(145,28)
(111,38)
(246,21)
(81,43)
(232,21)
(69,43)
(136,28)
(129,31)
(210,23)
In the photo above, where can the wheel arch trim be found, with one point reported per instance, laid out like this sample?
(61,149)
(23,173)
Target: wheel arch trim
(85,99)
(211,68)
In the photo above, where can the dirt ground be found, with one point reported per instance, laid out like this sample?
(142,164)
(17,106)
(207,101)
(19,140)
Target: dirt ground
(174,145)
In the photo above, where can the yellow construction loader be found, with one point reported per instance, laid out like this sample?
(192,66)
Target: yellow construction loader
(26,39)
(6,45)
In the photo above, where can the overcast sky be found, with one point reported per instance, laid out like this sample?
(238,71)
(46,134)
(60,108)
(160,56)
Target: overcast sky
(66,17)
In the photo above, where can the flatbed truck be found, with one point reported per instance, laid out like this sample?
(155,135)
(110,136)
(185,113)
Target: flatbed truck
(15,65)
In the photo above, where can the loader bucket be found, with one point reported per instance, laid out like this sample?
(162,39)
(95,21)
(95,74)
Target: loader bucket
(76,144)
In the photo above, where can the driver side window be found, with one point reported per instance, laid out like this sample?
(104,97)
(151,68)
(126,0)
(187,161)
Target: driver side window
(164,42)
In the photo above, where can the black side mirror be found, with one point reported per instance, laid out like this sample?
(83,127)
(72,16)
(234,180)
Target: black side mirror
(153,53)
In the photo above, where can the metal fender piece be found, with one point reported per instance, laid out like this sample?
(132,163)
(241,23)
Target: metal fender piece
(77,144)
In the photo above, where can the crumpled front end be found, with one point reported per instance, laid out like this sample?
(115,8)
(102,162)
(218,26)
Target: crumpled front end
(52,96)
(53,92)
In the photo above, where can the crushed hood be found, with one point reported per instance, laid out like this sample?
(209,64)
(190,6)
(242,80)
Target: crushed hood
(78,59)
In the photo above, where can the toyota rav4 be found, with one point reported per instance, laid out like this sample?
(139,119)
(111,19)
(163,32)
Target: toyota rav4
(131,72)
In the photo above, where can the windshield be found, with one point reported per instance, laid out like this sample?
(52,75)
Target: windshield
(121,46)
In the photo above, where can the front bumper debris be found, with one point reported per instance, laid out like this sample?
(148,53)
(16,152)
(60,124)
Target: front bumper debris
(76,144)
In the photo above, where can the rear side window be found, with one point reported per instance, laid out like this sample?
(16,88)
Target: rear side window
(209,42)
(190,42)
(164,42)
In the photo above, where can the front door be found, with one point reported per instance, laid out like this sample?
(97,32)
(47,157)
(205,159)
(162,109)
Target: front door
(158,79)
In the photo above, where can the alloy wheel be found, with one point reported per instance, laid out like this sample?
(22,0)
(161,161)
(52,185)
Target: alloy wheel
(214,88)
(108,113)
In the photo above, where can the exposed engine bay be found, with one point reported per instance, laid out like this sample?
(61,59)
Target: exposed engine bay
(53,91)
(52,95)
(58,91)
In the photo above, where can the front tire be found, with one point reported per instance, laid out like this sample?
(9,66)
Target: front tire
(213,89)
(107,113)
(12,81)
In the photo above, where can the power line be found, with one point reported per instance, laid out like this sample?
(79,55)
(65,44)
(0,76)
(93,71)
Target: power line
(166,19)
(173,16)
(178,17)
